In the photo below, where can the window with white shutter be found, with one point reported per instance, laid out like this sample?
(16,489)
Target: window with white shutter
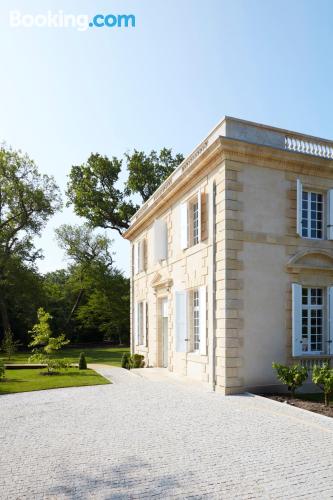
(140,323)
(330,214)
(181,321)
(330,320)
(203,321)
(160,235)
(183,226)
(192,220)
(141,255)
(296,319)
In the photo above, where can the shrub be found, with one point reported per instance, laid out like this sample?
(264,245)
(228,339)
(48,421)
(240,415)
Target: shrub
(323,377)
(2,369)
(137,361)
(9,345)
(292,376)
(44,344)
(82,362)
(125,361)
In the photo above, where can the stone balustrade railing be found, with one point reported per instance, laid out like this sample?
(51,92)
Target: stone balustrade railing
(301,144)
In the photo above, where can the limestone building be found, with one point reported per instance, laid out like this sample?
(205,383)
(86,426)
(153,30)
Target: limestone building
(232,259)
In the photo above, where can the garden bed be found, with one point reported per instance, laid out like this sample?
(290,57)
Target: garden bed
(310,402)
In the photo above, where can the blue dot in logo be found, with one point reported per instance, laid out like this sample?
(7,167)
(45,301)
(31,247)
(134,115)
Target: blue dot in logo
(91,25)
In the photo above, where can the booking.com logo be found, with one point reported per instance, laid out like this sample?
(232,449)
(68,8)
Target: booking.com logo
(59,19)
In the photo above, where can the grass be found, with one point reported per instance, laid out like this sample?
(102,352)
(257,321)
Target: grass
(35,380)
(103,355)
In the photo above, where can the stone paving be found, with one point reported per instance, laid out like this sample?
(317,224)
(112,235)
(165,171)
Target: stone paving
(142,438)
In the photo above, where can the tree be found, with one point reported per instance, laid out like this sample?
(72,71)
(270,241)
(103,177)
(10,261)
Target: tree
(323,377)
(93,192)
(27,200)
(85,249)
(147,172)
(292,376)
(44,344)
(9,345)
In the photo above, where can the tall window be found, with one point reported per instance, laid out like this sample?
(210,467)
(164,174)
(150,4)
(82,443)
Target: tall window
(312,320)
(312,215)
(140,323)
(195,223)
(196,325)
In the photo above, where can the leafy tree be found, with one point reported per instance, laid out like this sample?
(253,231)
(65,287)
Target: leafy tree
(147,172)
(9,345)
(44,344)
(85,249)
(106,308)
(292,376)
(323,377)
(94,190)
(27,200)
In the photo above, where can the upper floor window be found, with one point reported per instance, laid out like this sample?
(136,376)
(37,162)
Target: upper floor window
(193,220)
(312,215)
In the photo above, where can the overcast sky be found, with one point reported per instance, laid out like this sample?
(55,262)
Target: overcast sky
(66,93)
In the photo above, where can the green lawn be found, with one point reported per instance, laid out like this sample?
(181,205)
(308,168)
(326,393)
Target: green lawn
(35,380)
(104,355)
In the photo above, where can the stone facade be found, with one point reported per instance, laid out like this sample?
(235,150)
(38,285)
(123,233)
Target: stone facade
(248,256)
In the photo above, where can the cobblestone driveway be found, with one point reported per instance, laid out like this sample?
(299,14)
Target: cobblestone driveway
(141,438)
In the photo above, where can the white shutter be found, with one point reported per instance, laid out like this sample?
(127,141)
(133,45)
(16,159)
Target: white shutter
(136,324)
(181,321)
(183,226)
(160,240)
(199,216)
(330,320)
(299,207)
(144,323)
(135,258)
(330,214)
(202,320)
(297,319)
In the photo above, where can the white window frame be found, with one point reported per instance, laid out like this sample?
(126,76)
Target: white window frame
(196,320)
(140,322)
(308,228)
(309,307)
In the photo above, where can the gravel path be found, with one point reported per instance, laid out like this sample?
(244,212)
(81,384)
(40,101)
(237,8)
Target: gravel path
(144,438)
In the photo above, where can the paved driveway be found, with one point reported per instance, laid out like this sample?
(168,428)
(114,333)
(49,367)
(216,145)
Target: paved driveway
(142,438)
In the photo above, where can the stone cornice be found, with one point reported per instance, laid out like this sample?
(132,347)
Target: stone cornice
(225,148)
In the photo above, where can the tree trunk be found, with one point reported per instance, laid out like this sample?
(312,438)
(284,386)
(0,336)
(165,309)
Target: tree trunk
(4,316)
(327,399)
(75,306)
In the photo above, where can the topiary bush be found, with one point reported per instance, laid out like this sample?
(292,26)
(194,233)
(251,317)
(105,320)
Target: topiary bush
(2,369)
(125,361)
(292,376)
(82,362)
(323,377)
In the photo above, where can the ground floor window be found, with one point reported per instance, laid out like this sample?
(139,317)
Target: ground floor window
(140,323)
(196,320)
(312,320)
(313,314)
